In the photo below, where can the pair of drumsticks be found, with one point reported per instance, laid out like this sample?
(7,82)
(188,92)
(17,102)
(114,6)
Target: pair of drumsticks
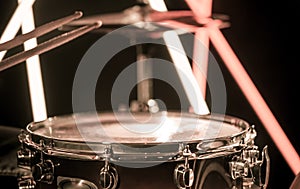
(45,46)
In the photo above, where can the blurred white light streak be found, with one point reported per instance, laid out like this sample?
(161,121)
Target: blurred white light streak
(158,5)
(14,23)
(200,58)
(185,73)
(34,75)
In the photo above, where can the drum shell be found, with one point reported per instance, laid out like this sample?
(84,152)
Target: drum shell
(156,176)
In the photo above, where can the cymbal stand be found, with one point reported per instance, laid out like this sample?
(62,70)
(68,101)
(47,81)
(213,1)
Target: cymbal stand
(144,70)
(144,83)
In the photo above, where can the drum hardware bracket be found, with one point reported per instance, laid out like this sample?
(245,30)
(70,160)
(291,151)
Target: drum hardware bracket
(108,174)
(250,136)
(43,171)
(24,155)
(24,161)
(183,174)
(247,167)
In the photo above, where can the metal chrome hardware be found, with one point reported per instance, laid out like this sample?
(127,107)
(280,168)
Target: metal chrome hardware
(24,155)
(24,158)
(69,182)
(239,168)
(256,169)
(250,136)
(108,174)
(247,166)
(108,177)
(43,171)
(26,182)
(150,106)
(183,174)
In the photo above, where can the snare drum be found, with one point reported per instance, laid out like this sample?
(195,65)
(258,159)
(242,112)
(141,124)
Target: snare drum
(140,151)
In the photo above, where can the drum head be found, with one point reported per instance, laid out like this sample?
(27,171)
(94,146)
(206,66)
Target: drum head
(127,132)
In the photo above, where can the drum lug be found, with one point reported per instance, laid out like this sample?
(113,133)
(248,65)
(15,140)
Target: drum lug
(256,169)
(183,174)
(43,171)
(247,167)
(24,155)
(238,169)
(108,174)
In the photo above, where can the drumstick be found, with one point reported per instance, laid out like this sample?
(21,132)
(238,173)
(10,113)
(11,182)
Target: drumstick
(46,46)
(41,30)
(201,8)
(254,98)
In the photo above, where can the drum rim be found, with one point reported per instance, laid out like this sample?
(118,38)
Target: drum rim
(68,148)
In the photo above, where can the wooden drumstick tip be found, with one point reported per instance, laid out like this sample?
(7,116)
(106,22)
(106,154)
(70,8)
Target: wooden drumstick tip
(98,24)
(78,14)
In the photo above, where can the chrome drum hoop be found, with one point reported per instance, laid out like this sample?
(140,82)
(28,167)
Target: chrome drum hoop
(92,150)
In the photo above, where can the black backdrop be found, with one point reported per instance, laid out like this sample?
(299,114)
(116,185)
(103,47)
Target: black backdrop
(262,34)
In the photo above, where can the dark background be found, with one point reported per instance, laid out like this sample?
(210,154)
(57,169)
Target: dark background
(262,34)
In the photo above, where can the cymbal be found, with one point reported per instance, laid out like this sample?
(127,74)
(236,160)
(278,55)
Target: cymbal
(138,14)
